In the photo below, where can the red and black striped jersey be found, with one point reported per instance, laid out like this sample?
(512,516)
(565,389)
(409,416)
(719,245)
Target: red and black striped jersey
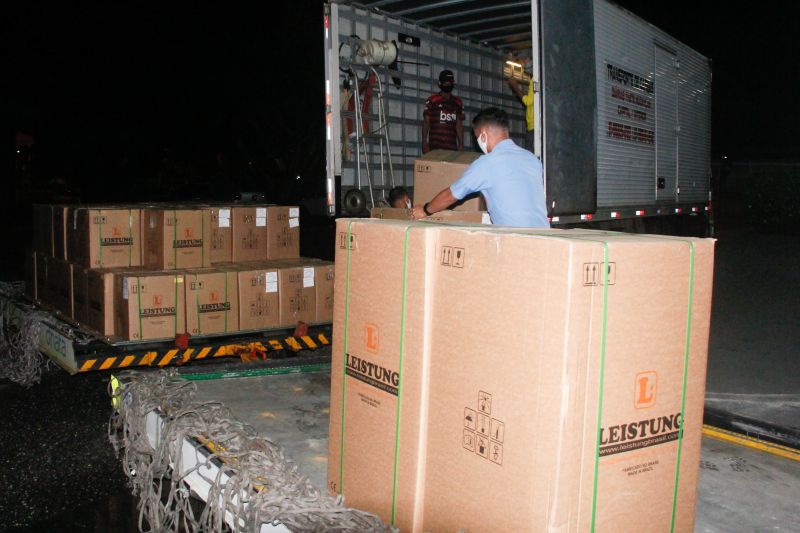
(443,111)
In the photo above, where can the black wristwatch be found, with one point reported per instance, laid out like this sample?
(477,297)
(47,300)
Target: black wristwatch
(425,209)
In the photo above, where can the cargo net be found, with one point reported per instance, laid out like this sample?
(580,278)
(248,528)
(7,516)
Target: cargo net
(20,358)
(254,484)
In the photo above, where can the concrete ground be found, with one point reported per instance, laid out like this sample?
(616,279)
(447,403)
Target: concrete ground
(739,490)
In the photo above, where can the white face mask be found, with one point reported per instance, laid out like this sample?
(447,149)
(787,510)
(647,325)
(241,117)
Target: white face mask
(408,204)
(483,143)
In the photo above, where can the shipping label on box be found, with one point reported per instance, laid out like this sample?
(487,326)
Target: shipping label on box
(211,302)
(249,233)
(150,306)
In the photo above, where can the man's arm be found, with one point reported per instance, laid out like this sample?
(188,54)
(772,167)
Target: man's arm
(512,82)
(460,133)
(426,128)
(441,201)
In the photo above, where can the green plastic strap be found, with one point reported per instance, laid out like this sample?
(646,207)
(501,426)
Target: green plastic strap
(99,233)
(196,303)
(346,338)
(139,299)
(602,379)
(685,374)
(202,238)
(400,373)
(227,311)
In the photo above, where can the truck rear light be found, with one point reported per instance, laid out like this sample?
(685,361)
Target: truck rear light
(678,210)
(694,210)
(640,212)
(555,219)
(614,214)
(586,217)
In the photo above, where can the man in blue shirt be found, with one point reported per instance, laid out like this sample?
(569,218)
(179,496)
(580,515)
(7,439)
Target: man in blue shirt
(509,177)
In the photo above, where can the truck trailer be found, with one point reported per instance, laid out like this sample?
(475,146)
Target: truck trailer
(621,109)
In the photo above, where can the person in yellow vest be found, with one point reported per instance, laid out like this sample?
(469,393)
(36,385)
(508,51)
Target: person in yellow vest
(527,100)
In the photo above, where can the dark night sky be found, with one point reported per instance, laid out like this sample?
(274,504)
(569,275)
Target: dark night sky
(217,95)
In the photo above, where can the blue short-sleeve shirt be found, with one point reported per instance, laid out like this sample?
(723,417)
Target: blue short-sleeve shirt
(511,180)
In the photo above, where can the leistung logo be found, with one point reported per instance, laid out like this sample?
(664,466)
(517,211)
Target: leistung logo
(372,338)
(645,389)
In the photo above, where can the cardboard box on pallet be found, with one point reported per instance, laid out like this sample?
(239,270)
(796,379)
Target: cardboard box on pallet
(221,234)
(100,298)
(605,345)
(30,274)
(283,232)
(439,169)
(59,284)
(43,229)
(212,301)
(249,233)
(474,217)
(324,278)
(41,277)
(80,293)
(149,305)
(297,293)
(176,238)
(259,304)
(105,237)
(61,214)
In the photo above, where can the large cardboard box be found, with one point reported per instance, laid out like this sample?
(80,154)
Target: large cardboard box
(221,234)
(100,298)
(105,237)
(296,291)
(59,284)
(472,217)
(283,232)
(596,402)
(212,301)
(149,305)
(259,303)
(374,305)
(43,229)
(176,238)
(249,233)
(80,293)
(439,169)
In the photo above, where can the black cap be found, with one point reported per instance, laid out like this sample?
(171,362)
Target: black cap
(446,75)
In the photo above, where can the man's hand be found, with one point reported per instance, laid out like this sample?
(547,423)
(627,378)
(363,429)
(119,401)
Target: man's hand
(418,212)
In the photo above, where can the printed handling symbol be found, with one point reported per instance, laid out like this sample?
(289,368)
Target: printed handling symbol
(483,448)
(496,455)
(470,418)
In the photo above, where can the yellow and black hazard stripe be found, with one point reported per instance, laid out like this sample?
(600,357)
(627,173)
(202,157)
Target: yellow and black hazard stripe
(177,356)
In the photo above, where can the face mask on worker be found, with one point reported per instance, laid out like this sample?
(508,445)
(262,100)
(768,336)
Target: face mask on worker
(483,142)
(446,88)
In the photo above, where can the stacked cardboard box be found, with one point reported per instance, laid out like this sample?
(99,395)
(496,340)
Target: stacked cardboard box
(471,217)
(144,272)
(525,381)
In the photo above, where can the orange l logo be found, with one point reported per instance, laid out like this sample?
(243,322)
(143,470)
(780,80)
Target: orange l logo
(157,299)
(188,233)
(372,338)
(645,387)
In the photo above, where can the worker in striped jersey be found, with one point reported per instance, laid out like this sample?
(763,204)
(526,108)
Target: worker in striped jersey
(443,118)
